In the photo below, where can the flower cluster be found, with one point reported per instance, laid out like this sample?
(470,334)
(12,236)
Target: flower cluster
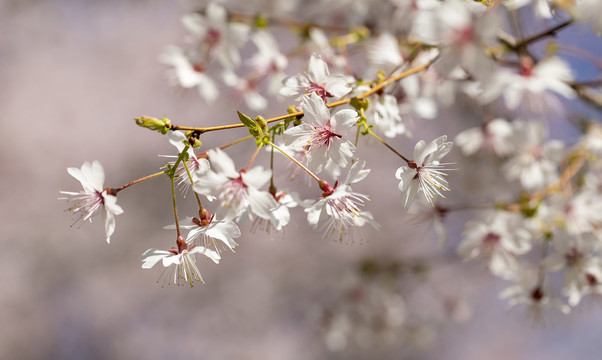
(390,69)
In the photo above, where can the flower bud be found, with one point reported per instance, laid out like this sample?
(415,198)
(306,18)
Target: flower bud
(262,123)
(161,125)
(360,104)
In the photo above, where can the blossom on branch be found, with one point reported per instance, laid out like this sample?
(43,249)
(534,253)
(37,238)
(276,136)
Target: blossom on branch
(190,73)
(317,80)
(181,261)
(215,33)
(236,191)
(339,209)
(205,232)
(426,172)
(94,196)
(322,135)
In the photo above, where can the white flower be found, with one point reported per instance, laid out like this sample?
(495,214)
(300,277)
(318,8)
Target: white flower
(94,196)
(340,207)
(536,296)
(205,232)
(464,28)
(418,18)
(222,38)
(189,74)
(317,80)
(236,191)
(534,163)
(414,104)
(320,43)
(280,215)
(493,136)
(577,255)
(181,260)
(426,172)
(384,114)
(500,238)
(247,89)
(587,281)
(323,135)
(531,89)
(583,212)
(268,61)
(383,52)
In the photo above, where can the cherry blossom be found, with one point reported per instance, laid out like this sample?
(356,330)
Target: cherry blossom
(426,172)
(205,232)
(94,197)
(236,191)
(500,238)
(534,88)
(537,297)
(323,135)
(464,28)
(223,38)
(317,80)
(340,208)
(534,162)
(180,261)
(268,61)
(190,74)
(493,136)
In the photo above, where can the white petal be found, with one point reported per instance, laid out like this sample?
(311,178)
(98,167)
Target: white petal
(261,202)
(314,107)
(211,254)
(256,177)
(222,163)
(152,256)
(318,69)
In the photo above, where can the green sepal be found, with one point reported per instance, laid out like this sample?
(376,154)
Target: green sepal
(253,127)
(196,143)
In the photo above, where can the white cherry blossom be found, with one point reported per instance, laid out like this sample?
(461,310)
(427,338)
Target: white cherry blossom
(180,263)
(536,296)
(222,38)
(190,74)
(268,61)
(500,238)
(317,80)
(493,136)
(94,196)
(322,135)
(340,208)
(426,172)
(534,162)
(236,191)
(205,232)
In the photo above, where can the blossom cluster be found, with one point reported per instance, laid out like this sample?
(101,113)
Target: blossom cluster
(386,70)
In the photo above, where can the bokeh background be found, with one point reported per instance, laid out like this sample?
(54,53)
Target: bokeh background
(73,75)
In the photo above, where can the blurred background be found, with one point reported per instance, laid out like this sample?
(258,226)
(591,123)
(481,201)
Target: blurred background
(74,74)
